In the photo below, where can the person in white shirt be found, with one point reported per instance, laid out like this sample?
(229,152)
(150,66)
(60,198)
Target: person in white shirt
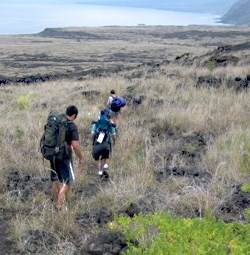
(113,115)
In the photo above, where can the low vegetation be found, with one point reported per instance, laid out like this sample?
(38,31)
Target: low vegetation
(161,233)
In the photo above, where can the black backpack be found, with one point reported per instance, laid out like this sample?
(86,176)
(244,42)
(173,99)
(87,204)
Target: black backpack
(53,145)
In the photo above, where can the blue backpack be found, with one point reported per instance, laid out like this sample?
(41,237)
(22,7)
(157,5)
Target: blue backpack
(102,128)
(102,134)
(117,104)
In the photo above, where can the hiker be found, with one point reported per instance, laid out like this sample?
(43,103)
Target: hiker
(62,172)
(115,103)
(103,137)
(113,115)
(111,97)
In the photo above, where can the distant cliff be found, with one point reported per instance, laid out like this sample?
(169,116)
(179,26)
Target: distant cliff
(239,13)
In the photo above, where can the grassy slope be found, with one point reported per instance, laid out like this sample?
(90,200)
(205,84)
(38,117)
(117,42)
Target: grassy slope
(221,114)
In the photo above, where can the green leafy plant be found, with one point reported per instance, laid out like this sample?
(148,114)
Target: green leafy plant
(161,233)
(246,187)
(23,101)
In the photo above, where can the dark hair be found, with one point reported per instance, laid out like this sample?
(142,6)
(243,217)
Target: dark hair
(105,113)
(112,91)
(71,110)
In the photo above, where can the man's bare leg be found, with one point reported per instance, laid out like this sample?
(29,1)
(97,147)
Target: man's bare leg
(99,164)
(64,189)
(103,162)
(55,191)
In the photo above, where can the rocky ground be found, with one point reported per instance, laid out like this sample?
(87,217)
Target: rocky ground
(186,149)
(75,53)
(23,188)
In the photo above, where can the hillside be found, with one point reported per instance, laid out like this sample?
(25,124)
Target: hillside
(182,147)
(58,53)
(238,13)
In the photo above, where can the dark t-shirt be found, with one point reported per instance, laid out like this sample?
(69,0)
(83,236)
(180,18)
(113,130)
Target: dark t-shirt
(62,170)
(72,133)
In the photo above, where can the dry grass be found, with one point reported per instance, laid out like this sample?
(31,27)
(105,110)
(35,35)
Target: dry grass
(220,112)
(109,47)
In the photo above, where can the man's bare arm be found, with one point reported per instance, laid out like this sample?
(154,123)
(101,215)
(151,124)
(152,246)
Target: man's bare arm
(78,151)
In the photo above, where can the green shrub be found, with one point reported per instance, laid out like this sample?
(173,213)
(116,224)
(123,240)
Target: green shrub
(246,187)
(161,233)
(211,65)
(247,214)
(23,102)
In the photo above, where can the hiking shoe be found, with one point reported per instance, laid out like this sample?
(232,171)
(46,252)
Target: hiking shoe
(100,173)
(105,171)
(106,167)
(106,175)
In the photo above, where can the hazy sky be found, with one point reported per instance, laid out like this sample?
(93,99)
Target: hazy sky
(215,6)
(142,2)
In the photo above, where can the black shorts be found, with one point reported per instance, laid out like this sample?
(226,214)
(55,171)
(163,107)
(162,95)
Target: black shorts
(101,151)
(62,171)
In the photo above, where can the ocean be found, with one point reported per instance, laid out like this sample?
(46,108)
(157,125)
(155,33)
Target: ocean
(33,18)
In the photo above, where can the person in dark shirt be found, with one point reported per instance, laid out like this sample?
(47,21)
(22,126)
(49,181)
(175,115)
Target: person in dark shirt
(62,172)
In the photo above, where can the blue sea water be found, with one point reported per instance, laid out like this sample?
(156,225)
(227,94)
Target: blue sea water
(33,18)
